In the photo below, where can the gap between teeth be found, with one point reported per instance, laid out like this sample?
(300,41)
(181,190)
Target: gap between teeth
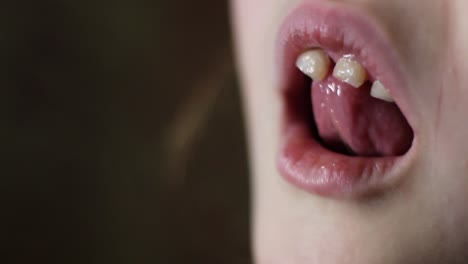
(316,64)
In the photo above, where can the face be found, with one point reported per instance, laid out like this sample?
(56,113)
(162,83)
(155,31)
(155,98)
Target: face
(357,125)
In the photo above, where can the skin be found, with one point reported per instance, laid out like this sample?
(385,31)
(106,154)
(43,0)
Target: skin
(424,219)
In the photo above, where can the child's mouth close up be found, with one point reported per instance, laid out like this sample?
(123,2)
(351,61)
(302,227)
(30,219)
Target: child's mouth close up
(347,128)
(350,114)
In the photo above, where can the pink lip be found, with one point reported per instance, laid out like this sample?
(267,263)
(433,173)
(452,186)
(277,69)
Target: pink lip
(339,30)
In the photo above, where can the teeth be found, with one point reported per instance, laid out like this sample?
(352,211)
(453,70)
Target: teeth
(314,63)
(379,91)
(350,72)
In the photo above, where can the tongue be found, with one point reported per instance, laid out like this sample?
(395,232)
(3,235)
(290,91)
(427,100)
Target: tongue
(350,120)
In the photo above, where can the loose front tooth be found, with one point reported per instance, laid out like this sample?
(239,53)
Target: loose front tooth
(350,72)
(314,63)
(379,91)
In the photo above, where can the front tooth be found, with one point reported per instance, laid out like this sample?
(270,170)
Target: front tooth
(350,72)
(379,91)
(314,63)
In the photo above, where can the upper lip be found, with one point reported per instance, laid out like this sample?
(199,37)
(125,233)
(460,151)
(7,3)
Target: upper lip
(339,30)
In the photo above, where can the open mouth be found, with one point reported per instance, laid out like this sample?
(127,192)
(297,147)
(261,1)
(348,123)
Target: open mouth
(347,123)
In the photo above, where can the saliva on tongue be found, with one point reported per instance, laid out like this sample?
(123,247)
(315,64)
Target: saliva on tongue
(350,121)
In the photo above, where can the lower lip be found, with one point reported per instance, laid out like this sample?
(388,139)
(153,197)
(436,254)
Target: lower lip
(302,160)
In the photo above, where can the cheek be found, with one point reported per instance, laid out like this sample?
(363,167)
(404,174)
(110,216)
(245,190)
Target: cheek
(453,99)
(448,157)
(460,32)
(255,27)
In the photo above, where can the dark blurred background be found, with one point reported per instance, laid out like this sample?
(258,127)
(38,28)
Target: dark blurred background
(121,134)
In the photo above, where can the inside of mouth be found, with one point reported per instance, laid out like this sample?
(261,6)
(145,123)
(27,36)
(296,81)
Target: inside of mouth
(349,121)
